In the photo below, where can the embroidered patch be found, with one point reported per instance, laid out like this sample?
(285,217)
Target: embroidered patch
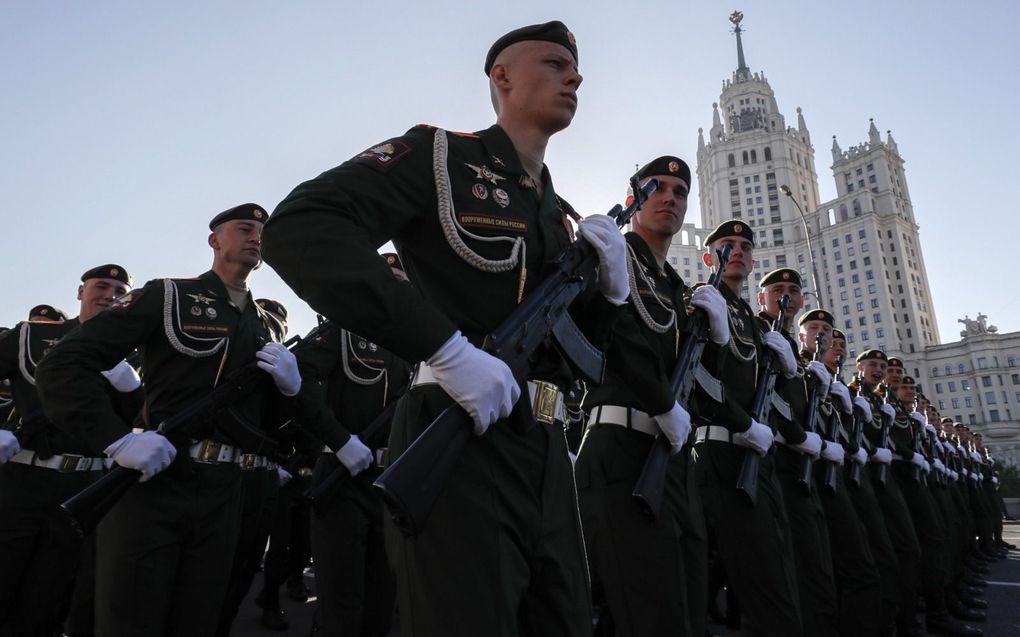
(384,155)
(488,222)
(127,300)
(214,329)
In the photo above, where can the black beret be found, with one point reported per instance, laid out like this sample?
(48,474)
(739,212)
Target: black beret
(838,334)
(666,165)
(817,315)
(876,354)
(908,380)
(47,312)
(782,275)
(732,228)
(108,271)
(246,212)
(895,362)
(554,31)
(393,260)
(275,307)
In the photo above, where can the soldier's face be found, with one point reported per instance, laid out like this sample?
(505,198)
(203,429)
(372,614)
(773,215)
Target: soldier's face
(664,211)
(741,257)
(771,295)
(539,82)
(836,350)
(98,294)
(811,330)
(238,242)
(872,370)
(906,393)
(893,376)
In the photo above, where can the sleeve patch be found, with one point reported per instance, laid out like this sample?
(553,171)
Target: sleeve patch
(126,301)
(383,156)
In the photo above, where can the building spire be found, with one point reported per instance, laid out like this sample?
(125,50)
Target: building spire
(742,71)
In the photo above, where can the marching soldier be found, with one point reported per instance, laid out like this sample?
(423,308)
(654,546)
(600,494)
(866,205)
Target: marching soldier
(164,551)
(44,312)
(44,465)
(652,570)
(476,220)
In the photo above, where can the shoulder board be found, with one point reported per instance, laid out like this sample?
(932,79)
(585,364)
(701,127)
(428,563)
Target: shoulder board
(451,132)
(31,322)
(567,209)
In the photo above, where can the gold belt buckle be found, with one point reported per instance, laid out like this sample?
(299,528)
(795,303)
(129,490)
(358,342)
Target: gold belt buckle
(247,461)
(70,462)
(545,402)
(210,452)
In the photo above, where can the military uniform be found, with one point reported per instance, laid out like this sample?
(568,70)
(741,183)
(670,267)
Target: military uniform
(652,571)
(39,549)
(349,380)
(164,550)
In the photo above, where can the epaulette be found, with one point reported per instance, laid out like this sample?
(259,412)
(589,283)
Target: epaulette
(31,322)
(567,209)
(451,132)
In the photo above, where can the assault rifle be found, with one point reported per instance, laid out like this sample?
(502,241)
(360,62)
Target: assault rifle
(411,485)
(832,435)
(651,484)
(858,430)
(883,468)
(807,463)
(747,481)
(89,506)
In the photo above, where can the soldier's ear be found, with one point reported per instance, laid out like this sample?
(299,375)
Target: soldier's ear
(214,241)
(81,288)
(707,258)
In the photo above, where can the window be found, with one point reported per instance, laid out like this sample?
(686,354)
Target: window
(993,415)
(855,278)
(934,372)
(982,362)
(872,288)
(846,310)
(860,307)
(861,320)
(835,242)
(1015,378)
(874,303)
(989,398)
(942,405)
(879,332)
(857,293)
(843,296)
(768,154)
(986,381)
(968,402)
(952,385)
(876,317)
(965,384)
(956,403)
(732,161)
(959,367)
(864,335)
(938,386)
(1011,361)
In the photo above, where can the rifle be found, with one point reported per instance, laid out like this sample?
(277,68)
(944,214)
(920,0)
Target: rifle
(916,473)
(88,507)
(858,430)
(883,468)
(651,484)
(411,485)
(832,435)
(747,481)
(318,492)
(936,454)
(806,461)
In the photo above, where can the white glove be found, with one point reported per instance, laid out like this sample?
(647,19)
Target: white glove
(355,455)
(278,361)
(283,475)
(889,411)
(148,452)
(712,302)
(975,456)
(605,237)
(811,446)
(573,457)
(758,437)
(862,403)
(964,472)
(960,451)
(927,467)
(954,475)
(480,383)
(919,418)
(9,445)
(123,377)
(937,464)
(861,457)
(784,353)
(820,374)
(675,425)
(917,460)
(840,396)
(974,476)
(834,452)
(930,428)
(881,456)
(995,480)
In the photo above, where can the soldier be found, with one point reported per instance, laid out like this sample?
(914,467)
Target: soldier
(753,538)
(476,220)
(44,312)
(46,465)
(652,571)
(349,381)
(164,551)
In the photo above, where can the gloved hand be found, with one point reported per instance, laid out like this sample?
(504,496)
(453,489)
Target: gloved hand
(862,403)
(834,452)
(975,456)
(930,428)
(712,302)
(480,383)
(821,375)
(881,456)
(995,480)
(927,467)
(784,353)
(840,397)
(605,237)
(758,437)
(123,377)
(964,472)
(148,452)
(861,457)
(355,455)
(889,411)
(283,475)
(917,460)
(9,445)
(278,361)
(938,466)
(954,475)
(919,419)
(960,452)
(811,446)
(675,425)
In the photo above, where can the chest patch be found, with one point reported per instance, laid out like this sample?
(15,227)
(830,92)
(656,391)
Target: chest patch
(492,222)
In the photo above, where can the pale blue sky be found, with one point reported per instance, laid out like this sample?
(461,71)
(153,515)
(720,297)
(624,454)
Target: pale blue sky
(126,126)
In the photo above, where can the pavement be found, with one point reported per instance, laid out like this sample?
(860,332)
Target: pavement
(1002,593)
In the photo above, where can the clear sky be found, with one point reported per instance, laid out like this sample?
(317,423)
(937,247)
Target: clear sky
(125,126)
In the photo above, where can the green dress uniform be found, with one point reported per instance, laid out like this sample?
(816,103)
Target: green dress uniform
(808,531)
(652,571)
(502,553)
(164,551)
(38,548)
(347,382)
(754,540)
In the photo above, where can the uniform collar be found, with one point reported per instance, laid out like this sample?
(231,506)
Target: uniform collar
(644,254)
(501,151)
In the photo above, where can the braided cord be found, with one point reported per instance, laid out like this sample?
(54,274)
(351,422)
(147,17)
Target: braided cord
(638,302)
